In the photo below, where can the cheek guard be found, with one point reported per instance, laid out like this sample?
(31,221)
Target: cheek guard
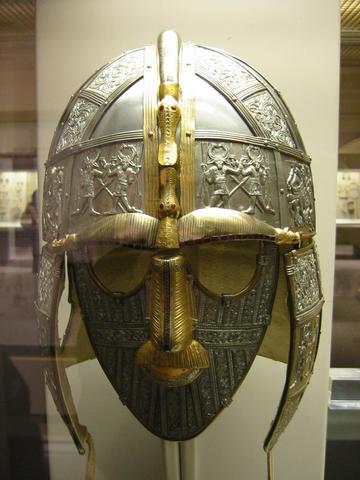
(179,189)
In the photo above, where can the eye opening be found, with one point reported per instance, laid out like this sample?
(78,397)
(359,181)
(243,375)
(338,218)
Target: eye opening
(225,267)
(118,269)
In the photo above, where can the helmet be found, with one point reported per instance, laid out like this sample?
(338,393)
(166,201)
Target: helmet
(179,187)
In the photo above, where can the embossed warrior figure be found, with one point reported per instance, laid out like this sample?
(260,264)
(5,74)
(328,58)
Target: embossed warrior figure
(54,199)
(125,171)
(216,171)
(300,196)
(255,174)
(89,172)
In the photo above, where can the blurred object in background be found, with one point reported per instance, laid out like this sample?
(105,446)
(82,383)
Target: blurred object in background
(23,435)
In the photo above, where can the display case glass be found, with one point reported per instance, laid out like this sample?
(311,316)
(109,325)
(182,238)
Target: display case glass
(47,49)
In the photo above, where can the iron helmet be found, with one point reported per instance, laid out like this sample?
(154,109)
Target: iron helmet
(179,188)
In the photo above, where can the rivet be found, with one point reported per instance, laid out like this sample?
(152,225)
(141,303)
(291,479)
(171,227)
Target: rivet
(150,133)
(281,191)
(188,133)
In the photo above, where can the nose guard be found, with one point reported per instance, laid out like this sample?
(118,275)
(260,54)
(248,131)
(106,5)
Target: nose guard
(171,354)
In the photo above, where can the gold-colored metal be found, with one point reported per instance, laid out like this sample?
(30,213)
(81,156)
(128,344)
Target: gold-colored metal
(171,355)
(144,231)
(187,129)
(168,235)
(67,243)
(170,314)
(135,229)
(151,138)
(287,237)
(169,90)
(169,210)
(218,222)
(224,224)
(171,341)
(193,357)
(169,117)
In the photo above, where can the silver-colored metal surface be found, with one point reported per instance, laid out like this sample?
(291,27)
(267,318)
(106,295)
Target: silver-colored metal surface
(114,121)
(127,136)
(54,199)
(264,109)
(242,176)
(116,73)
(300,197)
(107,181)
(79,118)
(230,328)
(250,94)
(94,98)
(236,177)
(302,270)
(213,110)
(50,288)
(305,273)
(262,142)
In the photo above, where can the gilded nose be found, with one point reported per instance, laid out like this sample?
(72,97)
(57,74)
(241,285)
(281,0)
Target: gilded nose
(171,343)
(170,304)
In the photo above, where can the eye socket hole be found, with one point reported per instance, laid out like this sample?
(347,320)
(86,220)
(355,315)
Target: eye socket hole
(224,267)
(119,269)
